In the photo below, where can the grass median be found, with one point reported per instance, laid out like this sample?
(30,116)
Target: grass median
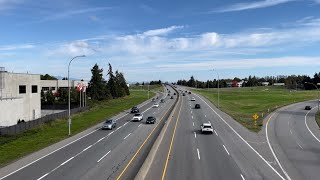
(242,103)
(17,146)
(154,88)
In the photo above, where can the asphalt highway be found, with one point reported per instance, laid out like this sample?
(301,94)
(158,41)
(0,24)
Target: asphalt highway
(294,138)
(102,154)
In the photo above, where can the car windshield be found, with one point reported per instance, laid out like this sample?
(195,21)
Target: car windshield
(207,127)
(108,122)
(137,115)
(150,118)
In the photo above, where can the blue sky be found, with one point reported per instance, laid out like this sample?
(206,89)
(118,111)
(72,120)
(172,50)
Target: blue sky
(165,40)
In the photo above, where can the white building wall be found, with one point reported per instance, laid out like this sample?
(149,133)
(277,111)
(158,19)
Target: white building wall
(14,110)
(31,103)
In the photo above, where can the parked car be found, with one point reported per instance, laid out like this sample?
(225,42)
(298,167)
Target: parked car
(155,105)
(109,124)
(307,108)
(197,106)
(137,117)
(135,109)
(206,128)
(150,120)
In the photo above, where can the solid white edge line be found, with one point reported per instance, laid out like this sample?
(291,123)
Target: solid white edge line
(299,145)
(195,135)
(198,153)
(226,150)
(242,177)
(103,156)
(127,136)
(139,125)
(43,176)
(273,153)
(215,132)
(192,123)
(243,140)
(305,121)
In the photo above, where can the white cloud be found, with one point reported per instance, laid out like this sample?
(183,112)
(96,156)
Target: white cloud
(163,31)
(252,5)
(74,48)
(16,47)
(244,63)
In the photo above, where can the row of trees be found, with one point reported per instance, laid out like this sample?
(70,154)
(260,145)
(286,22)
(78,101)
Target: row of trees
(292,81)
(151,83)
(100,89)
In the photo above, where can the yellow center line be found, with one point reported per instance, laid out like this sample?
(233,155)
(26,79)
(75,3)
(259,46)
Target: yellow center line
(124,170)
(174,132)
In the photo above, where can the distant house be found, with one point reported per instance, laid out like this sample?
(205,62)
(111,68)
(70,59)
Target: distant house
(278,84)
(265,83)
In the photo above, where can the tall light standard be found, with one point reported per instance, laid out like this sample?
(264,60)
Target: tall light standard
(218,87)
(317,90)
(69,117)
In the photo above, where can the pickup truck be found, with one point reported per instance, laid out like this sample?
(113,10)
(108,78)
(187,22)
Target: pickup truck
(206,128)
(137,117)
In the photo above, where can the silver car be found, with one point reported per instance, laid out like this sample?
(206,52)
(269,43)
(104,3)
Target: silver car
(109,124)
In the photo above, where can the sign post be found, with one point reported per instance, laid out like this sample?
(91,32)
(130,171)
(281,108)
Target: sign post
(255,117)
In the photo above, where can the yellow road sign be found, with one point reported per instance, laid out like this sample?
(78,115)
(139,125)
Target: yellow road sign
(255,116)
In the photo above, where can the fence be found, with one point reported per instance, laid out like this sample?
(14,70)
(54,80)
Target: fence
(11,130)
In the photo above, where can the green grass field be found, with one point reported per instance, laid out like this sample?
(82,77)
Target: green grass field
(243,103)
(14,147)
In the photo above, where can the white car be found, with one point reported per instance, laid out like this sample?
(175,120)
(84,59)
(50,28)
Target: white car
(193,99)
(155,105)
(137,117)
(206,128)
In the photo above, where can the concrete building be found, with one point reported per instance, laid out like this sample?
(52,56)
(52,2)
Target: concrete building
(19,97)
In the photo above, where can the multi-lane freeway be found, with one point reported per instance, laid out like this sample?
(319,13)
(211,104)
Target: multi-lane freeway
(286,148)
(97,154)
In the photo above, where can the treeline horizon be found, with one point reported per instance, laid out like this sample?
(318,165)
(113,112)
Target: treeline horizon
(291,82)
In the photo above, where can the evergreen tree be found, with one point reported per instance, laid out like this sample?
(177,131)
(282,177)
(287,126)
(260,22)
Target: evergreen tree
(112,84)
(96,88)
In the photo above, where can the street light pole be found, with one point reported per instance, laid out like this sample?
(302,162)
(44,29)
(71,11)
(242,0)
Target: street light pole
(317,91)
(69,117)
(218,88)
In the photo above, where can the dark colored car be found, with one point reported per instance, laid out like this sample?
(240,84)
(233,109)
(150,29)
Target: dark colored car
(134,109)
(174,94)
(183,94)
(109,124)
(307,108)
(189,92)
(186,91)
(162,100)
(150,120)
(171,97)
(197,106)
(168,94)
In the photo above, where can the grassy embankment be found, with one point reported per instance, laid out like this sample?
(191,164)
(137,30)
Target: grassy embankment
(242,103)
(14,147)
(153,88)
